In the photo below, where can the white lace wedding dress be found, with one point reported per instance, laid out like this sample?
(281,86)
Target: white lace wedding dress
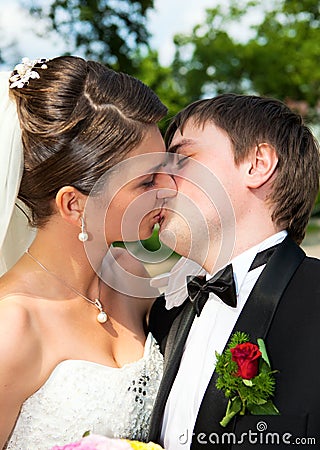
(82,396)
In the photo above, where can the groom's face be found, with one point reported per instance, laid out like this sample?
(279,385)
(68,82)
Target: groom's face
(209,187)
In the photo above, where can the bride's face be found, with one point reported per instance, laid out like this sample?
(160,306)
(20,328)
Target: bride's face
(134,207)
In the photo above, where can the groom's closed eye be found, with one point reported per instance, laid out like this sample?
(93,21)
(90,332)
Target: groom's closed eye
(181,161)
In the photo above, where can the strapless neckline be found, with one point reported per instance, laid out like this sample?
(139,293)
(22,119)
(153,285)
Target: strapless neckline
(81,395)
(80,361)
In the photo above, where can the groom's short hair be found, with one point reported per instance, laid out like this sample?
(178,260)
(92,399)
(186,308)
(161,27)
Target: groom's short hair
(251,120)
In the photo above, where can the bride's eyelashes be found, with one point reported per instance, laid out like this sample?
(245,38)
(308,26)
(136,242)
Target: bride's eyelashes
(148,182)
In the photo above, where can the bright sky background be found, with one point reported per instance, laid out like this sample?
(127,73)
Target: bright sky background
(174,16)
(168,18)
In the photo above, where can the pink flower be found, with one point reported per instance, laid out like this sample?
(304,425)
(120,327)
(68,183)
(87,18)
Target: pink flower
(95,442)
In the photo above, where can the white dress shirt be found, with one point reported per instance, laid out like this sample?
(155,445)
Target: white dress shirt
(209,334)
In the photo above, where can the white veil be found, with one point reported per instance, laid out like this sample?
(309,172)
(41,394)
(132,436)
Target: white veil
(15,234)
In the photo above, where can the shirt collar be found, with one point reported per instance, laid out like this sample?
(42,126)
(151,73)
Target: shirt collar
(242,262)
(174,282)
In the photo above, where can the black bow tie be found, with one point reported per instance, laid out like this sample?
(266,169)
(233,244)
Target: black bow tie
(222,283)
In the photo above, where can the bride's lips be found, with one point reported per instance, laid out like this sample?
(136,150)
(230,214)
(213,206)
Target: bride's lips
(157,217)
(161,216)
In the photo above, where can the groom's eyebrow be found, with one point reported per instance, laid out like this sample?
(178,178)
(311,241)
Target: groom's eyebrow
(156,168)
(176,148)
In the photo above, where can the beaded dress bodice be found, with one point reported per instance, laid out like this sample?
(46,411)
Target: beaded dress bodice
(82,396)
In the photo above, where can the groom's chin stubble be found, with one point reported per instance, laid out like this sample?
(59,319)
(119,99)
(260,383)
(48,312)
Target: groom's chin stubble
(176,235)
(171,235)
(194,240)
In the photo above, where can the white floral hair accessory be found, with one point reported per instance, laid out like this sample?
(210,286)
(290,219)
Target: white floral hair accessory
(25,70)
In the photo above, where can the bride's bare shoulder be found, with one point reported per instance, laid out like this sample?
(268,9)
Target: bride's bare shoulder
(17,281)
(20,353)
(15,316)
(20,345)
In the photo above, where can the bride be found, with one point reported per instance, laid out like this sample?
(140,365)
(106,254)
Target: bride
(74,353)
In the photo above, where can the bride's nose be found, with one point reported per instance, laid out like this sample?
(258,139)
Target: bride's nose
(166,186)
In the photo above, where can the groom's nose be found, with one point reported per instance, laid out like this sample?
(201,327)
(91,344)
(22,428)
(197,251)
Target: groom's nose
(166,186)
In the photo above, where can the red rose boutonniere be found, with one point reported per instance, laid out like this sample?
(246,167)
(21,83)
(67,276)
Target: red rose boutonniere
(246,378)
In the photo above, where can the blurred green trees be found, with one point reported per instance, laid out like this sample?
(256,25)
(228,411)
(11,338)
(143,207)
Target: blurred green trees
(247,46)
(104,30)
(277,56)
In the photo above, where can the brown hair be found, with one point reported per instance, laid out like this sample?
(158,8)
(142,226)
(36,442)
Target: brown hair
(250,120)
(78,120)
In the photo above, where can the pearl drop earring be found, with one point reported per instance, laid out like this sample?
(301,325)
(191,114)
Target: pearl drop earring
(83,235)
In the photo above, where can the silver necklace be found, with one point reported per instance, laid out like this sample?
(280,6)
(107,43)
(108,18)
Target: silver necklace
(102,317)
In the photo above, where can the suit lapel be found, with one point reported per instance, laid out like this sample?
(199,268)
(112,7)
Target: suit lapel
(255,319)
(174,349)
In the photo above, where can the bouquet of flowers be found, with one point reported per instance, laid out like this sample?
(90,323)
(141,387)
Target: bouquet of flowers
(246,378)
(97,442)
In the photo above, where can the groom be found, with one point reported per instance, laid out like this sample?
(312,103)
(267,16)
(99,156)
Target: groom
(266,164)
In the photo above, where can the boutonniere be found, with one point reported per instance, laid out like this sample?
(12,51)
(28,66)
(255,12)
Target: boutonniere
(246,378)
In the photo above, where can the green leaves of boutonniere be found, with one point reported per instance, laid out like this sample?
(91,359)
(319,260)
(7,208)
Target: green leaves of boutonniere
(246,378)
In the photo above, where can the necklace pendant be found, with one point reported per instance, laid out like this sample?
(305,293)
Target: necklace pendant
(102,317)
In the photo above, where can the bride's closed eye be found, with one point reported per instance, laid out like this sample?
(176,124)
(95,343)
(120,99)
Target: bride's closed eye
(148,182)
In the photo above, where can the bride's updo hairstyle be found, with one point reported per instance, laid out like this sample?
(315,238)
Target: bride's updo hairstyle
(78,120)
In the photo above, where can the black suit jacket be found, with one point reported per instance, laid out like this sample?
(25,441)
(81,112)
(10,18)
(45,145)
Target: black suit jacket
(284,309)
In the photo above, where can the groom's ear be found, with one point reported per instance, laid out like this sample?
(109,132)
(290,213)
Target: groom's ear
(70,204)
(262,164)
